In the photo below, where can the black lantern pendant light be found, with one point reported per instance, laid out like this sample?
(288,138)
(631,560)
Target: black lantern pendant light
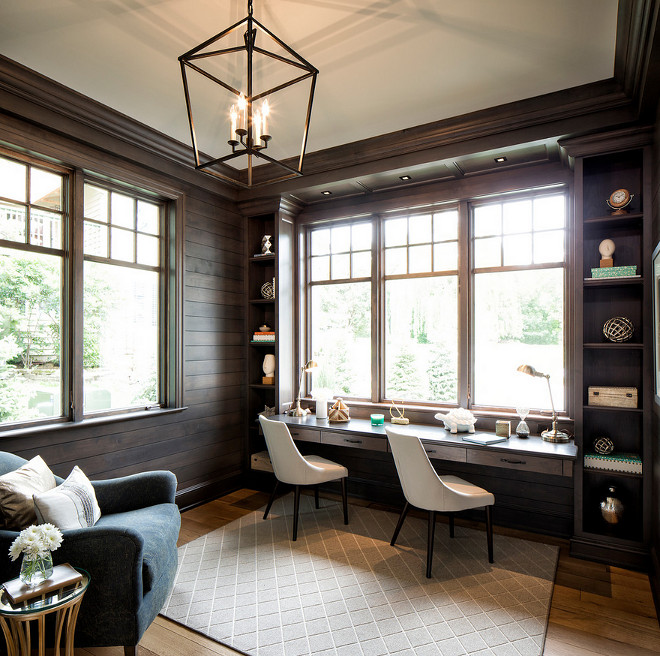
(249,132)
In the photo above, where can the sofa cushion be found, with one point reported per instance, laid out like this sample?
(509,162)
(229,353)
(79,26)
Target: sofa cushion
(158,526)
(70,505)
(16,490)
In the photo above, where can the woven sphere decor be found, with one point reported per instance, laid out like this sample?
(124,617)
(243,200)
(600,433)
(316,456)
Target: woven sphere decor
(268,290)
(603,445)
(618,329)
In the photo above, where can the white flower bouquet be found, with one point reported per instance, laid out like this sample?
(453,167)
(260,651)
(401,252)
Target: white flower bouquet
(36,544)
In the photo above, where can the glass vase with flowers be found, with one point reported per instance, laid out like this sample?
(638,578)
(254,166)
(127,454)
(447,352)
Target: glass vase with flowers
(36,544)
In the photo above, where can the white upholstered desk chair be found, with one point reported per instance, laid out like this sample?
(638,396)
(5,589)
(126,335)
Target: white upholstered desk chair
(292,468)
(423,488)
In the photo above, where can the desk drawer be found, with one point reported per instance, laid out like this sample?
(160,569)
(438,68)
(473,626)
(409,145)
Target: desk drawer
(354,441)
(444,452)
(305,434)
(515,461)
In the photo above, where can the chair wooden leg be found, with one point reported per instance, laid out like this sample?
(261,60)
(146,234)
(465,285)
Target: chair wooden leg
(399,524)
(489,533)
(429,546)
(296,506)
(344,499)
(451,525)
(316,497)
(130,650)
(272,498)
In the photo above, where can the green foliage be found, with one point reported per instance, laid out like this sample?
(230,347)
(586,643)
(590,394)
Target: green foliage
(348,307)
(404,377)
(30,290)
(147,393)
(443,382)
(97,301)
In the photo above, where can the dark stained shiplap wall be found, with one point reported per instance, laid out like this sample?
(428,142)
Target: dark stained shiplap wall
(202,444)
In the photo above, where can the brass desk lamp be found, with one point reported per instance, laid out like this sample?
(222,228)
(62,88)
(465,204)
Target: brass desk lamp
(306,368)
(553,435)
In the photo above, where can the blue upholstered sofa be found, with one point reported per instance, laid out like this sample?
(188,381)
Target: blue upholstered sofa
(130,554)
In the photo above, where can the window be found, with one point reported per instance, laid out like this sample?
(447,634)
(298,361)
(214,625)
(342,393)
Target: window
(115,289)
(340,298)
(450,301)
(519,256)
(421,307)
(121,278)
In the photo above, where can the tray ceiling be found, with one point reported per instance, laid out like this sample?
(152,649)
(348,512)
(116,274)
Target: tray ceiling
(385,65)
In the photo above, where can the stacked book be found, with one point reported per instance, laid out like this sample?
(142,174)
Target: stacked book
(260,336)
(618,462)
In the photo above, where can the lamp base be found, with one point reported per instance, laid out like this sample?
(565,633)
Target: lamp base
(556,436)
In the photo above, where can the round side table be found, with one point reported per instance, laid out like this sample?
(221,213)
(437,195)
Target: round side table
(15,619)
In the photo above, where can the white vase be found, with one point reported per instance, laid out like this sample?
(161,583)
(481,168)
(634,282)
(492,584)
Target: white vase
(321,409)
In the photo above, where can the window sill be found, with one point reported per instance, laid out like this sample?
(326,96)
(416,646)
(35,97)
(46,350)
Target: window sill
(425,414)
(85,423)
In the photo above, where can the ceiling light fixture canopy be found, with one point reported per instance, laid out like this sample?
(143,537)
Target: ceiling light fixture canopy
(248,114)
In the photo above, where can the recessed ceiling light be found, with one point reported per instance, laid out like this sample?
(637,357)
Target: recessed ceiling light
(405,177)
(327,193)
(499,160)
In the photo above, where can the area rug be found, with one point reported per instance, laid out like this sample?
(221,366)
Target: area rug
(344,591)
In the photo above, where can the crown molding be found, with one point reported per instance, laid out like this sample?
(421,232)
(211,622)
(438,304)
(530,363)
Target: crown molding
(30,96)
(595,144)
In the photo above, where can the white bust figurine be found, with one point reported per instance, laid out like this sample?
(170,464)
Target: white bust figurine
(269,364)
(606,248)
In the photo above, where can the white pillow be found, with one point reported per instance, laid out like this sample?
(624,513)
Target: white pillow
(70,505)
(16,490)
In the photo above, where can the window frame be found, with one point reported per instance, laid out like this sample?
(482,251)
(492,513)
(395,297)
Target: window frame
(465,273)
(170,319)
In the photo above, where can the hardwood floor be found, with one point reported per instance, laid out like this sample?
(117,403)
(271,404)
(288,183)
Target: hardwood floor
(596,609)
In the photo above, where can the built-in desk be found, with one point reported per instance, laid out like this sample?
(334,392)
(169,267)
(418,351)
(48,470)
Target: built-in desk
(532,480)
(532,454)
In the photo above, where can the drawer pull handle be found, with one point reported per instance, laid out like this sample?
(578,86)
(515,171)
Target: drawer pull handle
(513,462)
(352,441)
(430,450)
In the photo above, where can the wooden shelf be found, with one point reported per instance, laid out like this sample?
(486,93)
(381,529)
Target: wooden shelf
(612,282)
(261,301)
(607,472)
(263,259)
(608,221)
(613,345)
(262,343)
(609,408)
(260,386)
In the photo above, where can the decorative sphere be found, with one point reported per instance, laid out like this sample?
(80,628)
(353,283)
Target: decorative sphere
(603,445)
(618,329)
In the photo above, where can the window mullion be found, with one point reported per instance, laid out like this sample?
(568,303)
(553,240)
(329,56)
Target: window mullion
(465,286)
(377,313)
(74,315)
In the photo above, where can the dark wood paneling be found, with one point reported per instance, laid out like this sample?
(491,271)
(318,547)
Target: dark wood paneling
(202,443)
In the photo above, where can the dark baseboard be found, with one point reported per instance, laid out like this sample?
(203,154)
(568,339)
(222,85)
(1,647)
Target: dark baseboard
(619,556)
(196,495)
(654,578)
